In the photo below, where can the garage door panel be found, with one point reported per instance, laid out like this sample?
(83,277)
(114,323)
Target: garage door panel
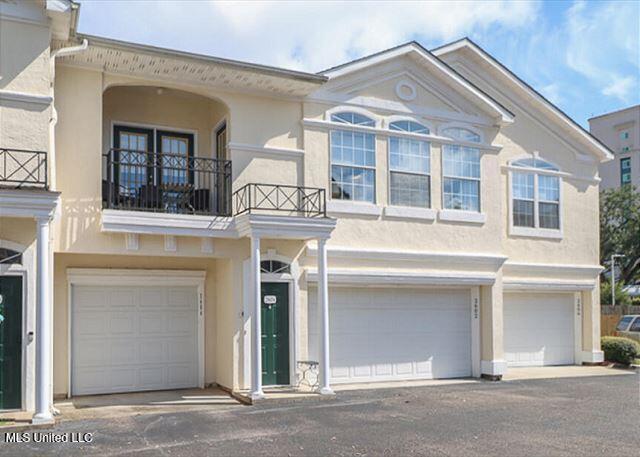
(387,334)
(133,338)
(539,329)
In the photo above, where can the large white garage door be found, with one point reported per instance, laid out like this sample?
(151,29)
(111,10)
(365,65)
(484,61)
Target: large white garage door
(395,334)
(128,339)
(538,329)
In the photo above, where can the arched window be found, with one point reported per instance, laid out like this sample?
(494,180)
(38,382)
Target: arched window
(9,256)
(353,159)
(409,166)
(535,195)
(274,266)
(461,171)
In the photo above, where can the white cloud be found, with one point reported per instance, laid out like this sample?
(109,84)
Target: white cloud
(603,45)
(303,35)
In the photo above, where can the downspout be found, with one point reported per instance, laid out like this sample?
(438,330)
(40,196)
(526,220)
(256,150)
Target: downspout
(62,52)
(52,167)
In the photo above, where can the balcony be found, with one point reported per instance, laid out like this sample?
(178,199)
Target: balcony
(280,200)
(166,183)
(20,168)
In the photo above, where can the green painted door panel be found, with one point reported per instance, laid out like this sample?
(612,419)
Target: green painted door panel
(275,333)
(10,342)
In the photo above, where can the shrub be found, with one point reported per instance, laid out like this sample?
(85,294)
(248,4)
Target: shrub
(620,350)
(622,297)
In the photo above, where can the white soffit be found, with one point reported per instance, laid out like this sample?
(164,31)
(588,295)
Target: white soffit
(160,64)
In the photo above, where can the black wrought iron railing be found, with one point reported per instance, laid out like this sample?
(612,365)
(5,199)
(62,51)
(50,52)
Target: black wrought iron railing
(23,168)
(166,183)
(279,199)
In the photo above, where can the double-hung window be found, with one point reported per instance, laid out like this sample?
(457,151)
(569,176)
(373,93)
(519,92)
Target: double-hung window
(353,159)
(409,166)
(461,171)
(535,194)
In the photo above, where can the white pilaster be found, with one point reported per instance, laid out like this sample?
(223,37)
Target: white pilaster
(323,302)
(256,330)
(44,326)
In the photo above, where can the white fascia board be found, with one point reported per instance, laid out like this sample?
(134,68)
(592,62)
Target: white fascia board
(601,151)
(522,268)
(290,227)
(28,203)
(505,116)
(118,221)
(391,278)
(25,97)
(492,261)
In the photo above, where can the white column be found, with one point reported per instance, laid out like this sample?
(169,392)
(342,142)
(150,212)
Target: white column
(323,303)
(256,327)
(44,325)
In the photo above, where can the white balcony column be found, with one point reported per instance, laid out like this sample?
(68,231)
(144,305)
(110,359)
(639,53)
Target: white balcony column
(323,303)
(44,313)
(256,330)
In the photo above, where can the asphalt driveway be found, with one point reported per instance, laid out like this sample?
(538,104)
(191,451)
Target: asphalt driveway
(571,416)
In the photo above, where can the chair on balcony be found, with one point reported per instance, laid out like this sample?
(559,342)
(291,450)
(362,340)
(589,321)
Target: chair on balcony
(200,201)
(150,197)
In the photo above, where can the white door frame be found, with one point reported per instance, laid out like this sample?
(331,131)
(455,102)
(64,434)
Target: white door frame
(25,270)
(294,291)
(136,277)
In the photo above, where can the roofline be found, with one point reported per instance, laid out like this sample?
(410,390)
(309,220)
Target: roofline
(507,116)
(466,41)
(265,69)
(614,112)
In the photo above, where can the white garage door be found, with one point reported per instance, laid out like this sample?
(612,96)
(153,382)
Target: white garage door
(128,339)
(395,334)
(538,329)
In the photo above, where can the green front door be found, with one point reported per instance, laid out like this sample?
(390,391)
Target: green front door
(275,333)
(10,342)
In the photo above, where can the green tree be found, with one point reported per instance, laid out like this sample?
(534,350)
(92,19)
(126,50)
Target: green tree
(620,231)
(622,297)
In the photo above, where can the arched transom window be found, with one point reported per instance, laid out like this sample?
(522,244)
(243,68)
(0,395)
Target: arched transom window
(353,159)
(9,256)
(461,171)
(409,166)
(535,195)
(274,267)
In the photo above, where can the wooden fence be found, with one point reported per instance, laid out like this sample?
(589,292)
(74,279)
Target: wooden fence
(610,315)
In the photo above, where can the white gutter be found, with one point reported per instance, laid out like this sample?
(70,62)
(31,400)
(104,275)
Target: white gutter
(62,52)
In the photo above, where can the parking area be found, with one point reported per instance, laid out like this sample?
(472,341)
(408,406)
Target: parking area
(589,415)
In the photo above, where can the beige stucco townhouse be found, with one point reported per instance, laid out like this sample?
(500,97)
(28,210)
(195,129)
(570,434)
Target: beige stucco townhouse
(170,220)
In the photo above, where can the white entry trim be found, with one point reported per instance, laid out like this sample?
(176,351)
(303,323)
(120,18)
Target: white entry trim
(136,277)
(26,271)
(293,279)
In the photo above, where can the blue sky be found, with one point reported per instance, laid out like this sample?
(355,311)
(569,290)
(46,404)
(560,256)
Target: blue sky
(583,56)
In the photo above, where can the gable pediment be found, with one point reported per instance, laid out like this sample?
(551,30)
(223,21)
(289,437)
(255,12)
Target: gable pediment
(403,83)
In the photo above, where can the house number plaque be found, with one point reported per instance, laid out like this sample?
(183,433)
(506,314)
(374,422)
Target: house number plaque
(270,300)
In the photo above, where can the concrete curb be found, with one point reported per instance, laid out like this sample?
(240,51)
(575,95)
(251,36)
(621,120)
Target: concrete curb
(22,427)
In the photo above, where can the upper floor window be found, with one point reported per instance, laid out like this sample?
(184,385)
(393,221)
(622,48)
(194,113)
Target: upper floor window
(625,171)
(409,166)
(461,171)
(353,159)
(624,135)
(536,196)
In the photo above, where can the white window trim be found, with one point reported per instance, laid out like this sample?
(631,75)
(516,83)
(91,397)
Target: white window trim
(409,212)
(352,109)
(403,117)
(460,125)
(535,232)
(353,207)
(352,127)
(449,213)
(402,211)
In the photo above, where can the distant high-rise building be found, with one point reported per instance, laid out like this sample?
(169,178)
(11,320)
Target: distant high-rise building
(620,131)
